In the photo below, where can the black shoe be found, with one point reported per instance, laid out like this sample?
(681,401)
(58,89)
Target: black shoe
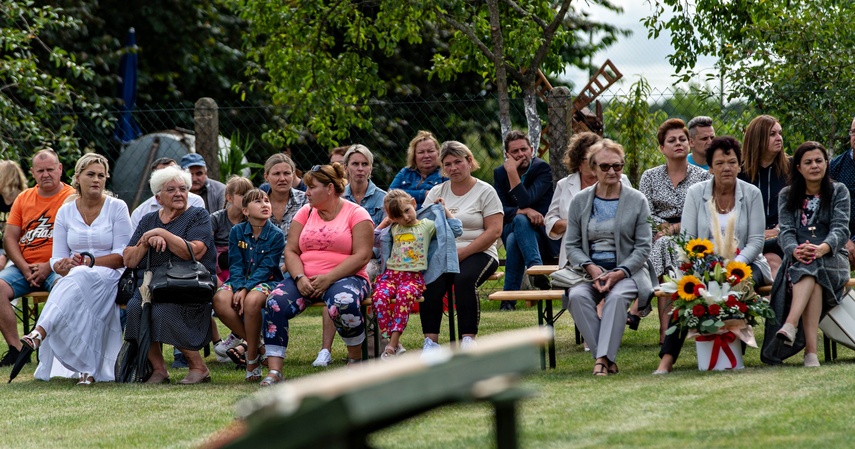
(633,321)
(541,281)
(10,357)
(508,306)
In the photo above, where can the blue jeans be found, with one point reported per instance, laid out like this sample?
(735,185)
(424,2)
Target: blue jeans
(343,299)
(19,285)
(522,243)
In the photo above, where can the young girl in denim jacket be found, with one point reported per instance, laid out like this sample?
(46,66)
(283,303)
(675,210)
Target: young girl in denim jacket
(402,280)
(255,247)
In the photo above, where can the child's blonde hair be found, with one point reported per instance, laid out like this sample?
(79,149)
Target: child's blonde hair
(395,202)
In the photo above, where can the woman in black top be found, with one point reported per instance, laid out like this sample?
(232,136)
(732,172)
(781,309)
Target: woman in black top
(766,166)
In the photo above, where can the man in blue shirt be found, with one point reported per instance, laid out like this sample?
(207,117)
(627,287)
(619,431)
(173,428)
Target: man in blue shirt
(701,134)
(842,169)
(524,185)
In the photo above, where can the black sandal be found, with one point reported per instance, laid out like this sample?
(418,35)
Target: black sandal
(633,321)
(613,369)
(239,357)
(600,372)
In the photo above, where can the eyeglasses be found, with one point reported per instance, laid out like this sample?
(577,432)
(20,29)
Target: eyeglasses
(319,169)
(605,167)
(171,190)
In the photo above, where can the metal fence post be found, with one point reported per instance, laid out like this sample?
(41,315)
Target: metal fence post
(560,112)
(207,126)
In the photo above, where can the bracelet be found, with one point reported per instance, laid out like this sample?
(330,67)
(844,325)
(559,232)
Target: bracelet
(298,277)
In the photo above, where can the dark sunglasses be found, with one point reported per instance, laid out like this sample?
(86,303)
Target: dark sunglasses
(319,169)
(606,167)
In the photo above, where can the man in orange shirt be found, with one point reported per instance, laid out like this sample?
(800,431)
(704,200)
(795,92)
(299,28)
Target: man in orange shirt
(29,243)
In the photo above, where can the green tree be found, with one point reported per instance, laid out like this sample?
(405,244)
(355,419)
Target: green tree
(787,58)
(32,100)
(315,58)
(633,124)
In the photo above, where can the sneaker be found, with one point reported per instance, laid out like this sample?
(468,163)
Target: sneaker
(324,358)
(180,361)
(508,306)
(430,345)
(10,357)
(468,343)
(221,349)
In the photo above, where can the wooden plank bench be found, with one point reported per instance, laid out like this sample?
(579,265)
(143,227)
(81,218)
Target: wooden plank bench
(355,402)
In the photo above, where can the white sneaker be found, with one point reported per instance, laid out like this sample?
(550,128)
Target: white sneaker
(468,343)
(430,345)
(221,349)
(400,349)
(324,358)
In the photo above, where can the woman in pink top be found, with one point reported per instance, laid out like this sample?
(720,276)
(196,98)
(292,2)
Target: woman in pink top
(328,245)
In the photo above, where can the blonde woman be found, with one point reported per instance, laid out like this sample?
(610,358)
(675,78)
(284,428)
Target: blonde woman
(12,183)
(79,333)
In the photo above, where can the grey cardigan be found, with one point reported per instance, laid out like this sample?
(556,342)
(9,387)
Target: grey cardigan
(633,234)
(750,223)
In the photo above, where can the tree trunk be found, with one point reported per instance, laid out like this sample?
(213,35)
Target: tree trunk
(531,117)
(501,71)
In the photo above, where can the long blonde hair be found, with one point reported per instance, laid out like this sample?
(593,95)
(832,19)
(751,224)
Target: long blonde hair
(13,181)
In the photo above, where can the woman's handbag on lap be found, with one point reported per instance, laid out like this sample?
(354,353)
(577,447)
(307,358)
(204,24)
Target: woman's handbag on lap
(569,277)
(183,282)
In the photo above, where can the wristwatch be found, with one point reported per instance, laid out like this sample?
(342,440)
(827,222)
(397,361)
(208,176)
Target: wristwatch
(298,277)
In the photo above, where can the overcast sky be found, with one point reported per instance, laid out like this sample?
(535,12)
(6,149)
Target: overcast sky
(634,55)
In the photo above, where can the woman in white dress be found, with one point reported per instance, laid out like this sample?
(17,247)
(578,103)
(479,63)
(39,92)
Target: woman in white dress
(79,332)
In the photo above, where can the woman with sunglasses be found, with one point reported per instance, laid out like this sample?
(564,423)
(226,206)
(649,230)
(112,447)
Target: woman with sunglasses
(328,245)
(665,187)
(608,235)
(719,201)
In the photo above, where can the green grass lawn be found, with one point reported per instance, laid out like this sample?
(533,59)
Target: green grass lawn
(760,406)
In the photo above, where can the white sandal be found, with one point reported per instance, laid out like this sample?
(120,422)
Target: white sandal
(33,340)
(86,379)
(255,374)
(273,377)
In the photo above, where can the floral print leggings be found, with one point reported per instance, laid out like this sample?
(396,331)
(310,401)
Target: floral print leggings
(405,287)
(343,299)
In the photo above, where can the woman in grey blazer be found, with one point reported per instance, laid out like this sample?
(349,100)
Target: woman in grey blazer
(814,220)
(608,234)
(730,199)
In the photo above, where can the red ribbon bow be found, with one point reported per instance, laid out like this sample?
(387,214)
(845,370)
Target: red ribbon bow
(720,341)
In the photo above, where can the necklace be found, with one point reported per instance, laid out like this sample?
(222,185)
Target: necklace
(89,214)
(333,214)
(723,210)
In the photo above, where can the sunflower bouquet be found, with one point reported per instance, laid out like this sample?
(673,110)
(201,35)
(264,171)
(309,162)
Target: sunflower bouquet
(712,293)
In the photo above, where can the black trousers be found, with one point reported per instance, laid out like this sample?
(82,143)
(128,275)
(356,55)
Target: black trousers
(474,270)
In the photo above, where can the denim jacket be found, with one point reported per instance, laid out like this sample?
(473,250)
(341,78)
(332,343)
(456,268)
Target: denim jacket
(442,251)
(410,180)
(372,202)
(253,261)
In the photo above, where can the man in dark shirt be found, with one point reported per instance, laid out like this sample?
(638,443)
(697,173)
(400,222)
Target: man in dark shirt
(212,191)
(842,169)
(524,185)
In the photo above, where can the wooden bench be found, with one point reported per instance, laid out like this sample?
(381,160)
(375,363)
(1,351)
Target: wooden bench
(352,403)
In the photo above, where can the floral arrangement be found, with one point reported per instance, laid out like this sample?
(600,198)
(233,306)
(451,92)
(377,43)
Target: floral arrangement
(710,290)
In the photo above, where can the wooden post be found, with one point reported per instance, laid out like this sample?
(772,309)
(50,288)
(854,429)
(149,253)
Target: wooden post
(560,112)
(207,127)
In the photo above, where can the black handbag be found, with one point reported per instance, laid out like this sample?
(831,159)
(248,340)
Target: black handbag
(182,282)
(814,233)
(127,287)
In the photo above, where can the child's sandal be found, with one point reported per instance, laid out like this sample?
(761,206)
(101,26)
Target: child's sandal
(239,357)
(273,377)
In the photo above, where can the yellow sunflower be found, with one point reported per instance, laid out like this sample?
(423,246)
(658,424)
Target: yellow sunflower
(686,287)
(699,247)
(738,269)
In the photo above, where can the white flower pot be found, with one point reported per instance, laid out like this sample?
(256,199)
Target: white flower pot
(724,361)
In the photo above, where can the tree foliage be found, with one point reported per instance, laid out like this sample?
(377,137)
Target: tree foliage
(32,99)
(319,59)
(788,58)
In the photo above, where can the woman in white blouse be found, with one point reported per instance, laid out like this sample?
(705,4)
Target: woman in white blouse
(79,333)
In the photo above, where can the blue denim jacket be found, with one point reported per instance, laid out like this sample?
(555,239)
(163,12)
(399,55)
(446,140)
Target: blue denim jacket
(372,202)
(442,252)
(410,181)
(253,261)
